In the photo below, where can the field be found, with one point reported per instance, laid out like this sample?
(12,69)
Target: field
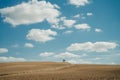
(57,71)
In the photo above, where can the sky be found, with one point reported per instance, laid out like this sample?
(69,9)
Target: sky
(79,31)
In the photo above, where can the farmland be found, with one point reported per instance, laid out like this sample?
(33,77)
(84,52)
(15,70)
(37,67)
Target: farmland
(57,71)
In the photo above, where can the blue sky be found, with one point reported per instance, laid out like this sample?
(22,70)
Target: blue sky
(80,31)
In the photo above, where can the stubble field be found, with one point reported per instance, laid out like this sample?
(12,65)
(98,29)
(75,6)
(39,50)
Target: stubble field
(57,71)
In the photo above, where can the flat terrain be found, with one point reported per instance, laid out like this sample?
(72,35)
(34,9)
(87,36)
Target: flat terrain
(57,71)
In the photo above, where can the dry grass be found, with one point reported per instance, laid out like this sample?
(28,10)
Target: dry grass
(57,71)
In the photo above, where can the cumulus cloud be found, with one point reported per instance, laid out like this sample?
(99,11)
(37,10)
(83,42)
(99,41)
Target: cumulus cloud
(39,35)
(65,23)
(76,16)
(3,50)
(68,32)
(58,26)
(98,30)
(92,47)
(67,55)
(59,55)
(11,59)
(80,61)
(46,54)
(89,14)
(29,45)
(69,23)
(83,26)
(79,3)
(83,17)
(97,58)
(31,12)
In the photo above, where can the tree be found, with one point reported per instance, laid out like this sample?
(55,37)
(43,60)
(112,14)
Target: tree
(64,60)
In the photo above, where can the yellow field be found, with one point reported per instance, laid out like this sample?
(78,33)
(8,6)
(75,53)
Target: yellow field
(57,71)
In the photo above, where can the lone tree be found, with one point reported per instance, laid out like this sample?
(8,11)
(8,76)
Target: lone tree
(64,60)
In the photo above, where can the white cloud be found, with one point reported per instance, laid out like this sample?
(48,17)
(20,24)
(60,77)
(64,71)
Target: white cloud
(67,55)
(79,3)
(83,17)
(98,30)
(92,47)
(83,26)
(68,32)
(11,59)
(3,50)
(41,35)
(64,23)
(34,1)
(76,16)
(29,45)
(89,14)
(58,26)
(31,12)
(69,23)
(46,54)
(112,63)
(97,58)
(79,61)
